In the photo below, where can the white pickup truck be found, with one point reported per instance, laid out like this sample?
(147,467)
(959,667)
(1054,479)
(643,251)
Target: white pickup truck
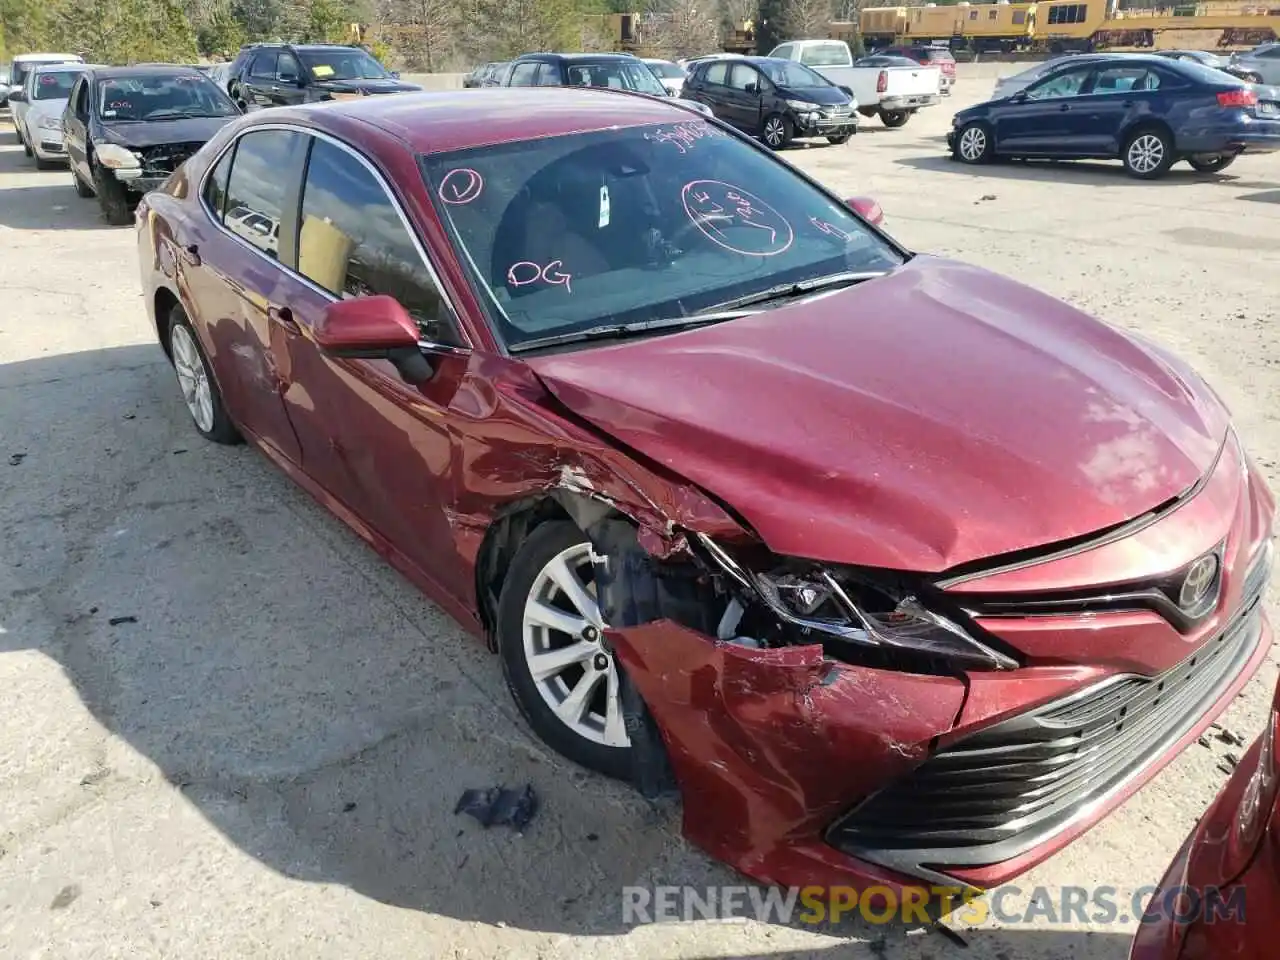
(893,92)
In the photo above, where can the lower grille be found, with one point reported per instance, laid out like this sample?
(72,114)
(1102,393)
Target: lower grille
(162,160)
(1007,788)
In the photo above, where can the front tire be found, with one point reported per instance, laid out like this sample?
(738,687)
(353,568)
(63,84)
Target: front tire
(195,379)
(895,118)
(974,143)
(1148,153)
(113,197)
(1220,162)
(549,638)
(778,131)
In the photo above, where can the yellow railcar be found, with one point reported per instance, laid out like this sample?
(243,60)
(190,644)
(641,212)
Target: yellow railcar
(1057,26)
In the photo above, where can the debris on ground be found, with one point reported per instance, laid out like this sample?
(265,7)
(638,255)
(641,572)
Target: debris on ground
(988,196)
(1203,740)
(116,621)
(1229,737)
(498,805)
(950,934)
(16,459)
(1232,760)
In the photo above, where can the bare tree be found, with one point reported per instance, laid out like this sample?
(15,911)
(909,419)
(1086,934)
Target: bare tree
(806,19)
(682,28)
(423,31)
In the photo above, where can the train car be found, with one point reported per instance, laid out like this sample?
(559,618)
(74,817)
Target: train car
(1059,26)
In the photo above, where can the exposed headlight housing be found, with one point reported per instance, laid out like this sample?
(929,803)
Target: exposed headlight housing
(116,157)
(860,613)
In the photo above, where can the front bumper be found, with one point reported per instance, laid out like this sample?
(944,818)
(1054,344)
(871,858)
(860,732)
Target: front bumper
(818,125)
(800,770)
(912,102)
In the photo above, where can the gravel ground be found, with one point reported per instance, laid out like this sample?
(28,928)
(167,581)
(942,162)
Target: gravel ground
(263,759)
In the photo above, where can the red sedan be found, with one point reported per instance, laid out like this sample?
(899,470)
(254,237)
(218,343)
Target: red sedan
(895,568)
(1220,898)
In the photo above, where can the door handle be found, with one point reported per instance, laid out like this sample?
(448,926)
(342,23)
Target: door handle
(284,317)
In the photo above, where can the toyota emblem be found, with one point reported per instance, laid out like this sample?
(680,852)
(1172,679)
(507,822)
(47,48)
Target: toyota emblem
(1198,583)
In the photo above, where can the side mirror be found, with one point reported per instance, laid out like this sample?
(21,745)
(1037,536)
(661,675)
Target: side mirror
(752,88)
(395,74)
(17,96)
(1019,97)
(868,209)
(374,328)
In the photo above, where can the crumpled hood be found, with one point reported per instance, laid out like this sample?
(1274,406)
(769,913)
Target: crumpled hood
(936,416)
(149,133)
(366,86)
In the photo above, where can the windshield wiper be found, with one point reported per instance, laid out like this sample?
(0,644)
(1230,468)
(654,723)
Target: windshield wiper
(620,331)
(798,289)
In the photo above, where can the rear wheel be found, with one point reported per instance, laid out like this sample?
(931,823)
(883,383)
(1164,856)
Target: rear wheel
(1211,164)
(82,189)
(1148,153)
(974,143)
(777,131)
(894,118)
(839,139)
(199,391)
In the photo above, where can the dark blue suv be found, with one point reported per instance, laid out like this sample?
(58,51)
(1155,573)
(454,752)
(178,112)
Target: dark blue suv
(1146,111)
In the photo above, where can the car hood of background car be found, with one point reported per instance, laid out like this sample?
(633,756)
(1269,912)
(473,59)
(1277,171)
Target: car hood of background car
(366,86)
(149,133)
(936,416)
(828,96)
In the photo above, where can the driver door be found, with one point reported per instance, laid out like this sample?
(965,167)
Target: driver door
(287,89)
(743,97)
(1045,119)
(260,79)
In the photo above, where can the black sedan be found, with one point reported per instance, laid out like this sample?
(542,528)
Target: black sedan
(1146,111)
(127,129)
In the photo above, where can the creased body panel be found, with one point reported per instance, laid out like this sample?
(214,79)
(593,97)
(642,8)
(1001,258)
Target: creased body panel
(933,417)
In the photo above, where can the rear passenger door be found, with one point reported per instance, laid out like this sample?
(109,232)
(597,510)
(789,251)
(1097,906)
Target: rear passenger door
(1117,97)
(712,88)
(523,74)
(743,97)
(231,267)
(260,78)
(384,447)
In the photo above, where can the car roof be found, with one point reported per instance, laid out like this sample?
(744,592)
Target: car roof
(45,57)
(445,121)
(579,57)
(142,70)
(62,66)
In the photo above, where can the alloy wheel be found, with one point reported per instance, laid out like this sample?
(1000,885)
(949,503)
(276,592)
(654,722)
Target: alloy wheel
(193,378)
(774,132)
(1146,153)
(973,144)
(563,645)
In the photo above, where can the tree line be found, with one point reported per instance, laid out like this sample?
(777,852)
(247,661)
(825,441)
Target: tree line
(432,35)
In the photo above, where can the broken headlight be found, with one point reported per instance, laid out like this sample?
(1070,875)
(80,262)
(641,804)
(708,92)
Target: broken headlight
(861,613)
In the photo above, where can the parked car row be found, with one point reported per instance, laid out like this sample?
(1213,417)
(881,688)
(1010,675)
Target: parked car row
(1150,111)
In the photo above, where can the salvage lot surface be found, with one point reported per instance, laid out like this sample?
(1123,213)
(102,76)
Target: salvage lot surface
(263,760)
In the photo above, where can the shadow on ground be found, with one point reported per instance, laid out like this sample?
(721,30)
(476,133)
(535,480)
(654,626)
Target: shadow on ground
(315,708)
(41,200)
(1097,173)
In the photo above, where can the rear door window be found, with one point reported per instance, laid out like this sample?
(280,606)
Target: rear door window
(264,66)
(1125,80)
(717,74)
(257,187)
(523,73)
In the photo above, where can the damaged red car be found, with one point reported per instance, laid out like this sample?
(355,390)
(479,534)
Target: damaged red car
(896,569)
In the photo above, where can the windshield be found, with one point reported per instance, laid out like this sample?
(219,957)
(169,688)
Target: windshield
(55,84)
(343,64)
(825,55)
(639,224)
(617,75)
(788,73)
(159,97)
(665,70)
